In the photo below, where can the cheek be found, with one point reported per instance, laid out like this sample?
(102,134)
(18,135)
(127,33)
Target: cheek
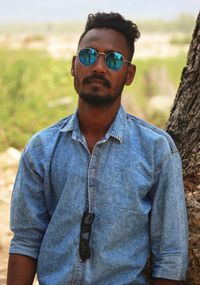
(119,81)
(80,72)
(77,84)
(77,76)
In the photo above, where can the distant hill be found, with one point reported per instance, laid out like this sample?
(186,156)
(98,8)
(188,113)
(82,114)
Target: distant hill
(183,23)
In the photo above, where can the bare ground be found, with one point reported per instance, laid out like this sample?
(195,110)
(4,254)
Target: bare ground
(64,46)
(8,166)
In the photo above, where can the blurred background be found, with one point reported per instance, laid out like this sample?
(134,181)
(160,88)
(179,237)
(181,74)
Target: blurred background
(37,41)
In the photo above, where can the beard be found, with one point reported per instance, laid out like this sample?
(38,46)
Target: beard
(93,97)
(96,100)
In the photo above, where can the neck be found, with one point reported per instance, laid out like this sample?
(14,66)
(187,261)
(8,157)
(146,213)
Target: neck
(95,121)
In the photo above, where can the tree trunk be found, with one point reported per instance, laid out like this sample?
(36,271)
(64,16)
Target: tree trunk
(184,127)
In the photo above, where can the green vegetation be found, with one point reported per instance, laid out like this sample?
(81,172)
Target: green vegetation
(32,88)
(156,78)
(181,40)
(41,28)
(37,90)
(183,24)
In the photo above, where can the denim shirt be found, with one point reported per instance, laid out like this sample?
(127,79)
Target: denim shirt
(132,181)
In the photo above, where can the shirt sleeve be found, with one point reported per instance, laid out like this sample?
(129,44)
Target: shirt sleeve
(29,216)
(168,225)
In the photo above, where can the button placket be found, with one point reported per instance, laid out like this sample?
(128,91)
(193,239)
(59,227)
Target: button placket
(92,175)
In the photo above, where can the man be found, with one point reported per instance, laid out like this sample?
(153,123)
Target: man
(100,190)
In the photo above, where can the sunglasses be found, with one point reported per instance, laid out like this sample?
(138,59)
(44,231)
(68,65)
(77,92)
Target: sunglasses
(86,225)
(114,60)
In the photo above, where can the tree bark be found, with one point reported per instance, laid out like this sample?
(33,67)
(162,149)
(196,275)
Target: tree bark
(184,126)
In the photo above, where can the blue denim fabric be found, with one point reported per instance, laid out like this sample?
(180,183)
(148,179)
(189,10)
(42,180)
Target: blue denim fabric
(132,182)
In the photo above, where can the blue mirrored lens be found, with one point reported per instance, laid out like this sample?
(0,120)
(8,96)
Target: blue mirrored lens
(114,60)
(87,56)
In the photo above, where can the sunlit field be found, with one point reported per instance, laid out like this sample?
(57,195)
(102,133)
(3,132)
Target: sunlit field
(37,90)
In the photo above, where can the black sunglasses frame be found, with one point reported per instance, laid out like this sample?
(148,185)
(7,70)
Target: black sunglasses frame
(85,231)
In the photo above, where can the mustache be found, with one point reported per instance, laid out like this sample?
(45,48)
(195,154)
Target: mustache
(99,77)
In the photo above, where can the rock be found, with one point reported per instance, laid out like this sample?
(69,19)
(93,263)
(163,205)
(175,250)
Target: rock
(10,157)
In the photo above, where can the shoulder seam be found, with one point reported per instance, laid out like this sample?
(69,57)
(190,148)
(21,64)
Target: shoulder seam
(167,157)
(61,122)
(153,129)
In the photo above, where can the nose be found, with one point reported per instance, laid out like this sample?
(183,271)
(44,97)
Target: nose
(100,64)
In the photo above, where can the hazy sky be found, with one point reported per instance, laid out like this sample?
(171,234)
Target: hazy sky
(67,10)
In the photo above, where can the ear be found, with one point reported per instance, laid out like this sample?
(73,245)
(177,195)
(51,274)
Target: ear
(73,65)
(130,74)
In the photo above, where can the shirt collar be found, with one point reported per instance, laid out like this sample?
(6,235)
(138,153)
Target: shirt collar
(118,126)
(73,125)
(116,129)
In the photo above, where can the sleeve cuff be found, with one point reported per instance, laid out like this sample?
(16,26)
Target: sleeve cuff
(173,268)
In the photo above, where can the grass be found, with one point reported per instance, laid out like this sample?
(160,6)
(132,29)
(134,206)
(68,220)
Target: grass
(31,80)
(155,77)
(37,90)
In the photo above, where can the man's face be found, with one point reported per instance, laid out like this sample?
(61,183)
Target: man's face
(97,84)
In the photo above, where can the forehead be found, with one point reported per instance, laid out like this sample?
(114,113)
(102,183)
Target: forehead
(104,40)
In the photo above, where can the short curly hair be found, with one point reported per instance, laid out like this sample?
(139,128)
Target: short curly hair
(116,22)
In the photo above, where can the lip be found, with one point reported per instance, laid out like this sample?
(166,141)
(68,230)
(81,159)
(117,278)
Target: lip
(96,82)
